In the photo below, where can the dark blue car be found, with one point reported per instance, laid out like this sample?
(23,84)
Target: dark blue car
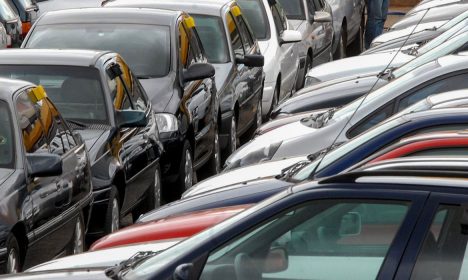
(333,163)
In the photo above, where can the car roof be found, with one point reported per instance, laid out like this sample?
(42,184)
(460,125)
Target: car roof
(110,15)
(9,87)
(206,7)
(433,136)
(434,113)
(83,58)
(448,96)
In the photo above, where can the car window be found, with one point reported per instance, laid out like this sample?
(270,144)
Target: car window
(234,35)
(211,32)
(255,13)
(279,20)
(311,7)
(376,117)
(7,140)
(318,5)
(294,9)
(195,44)
(446,84)
(318,240)
(186,56)
(60,139)
(449,151)
(245,33)
(444,253)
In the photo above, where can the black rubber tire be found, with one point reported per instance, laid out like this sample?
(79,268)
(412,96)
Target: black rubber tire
(342,46)
(181,187)
(307,67)
(114,195)
(357,46)
(213,165)
(12,246)
(233,142)
(152,198)
(71,248)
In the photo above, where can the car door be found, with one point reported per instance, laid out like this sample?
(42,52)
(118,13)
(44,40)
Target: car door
(322,235)
(289,64)
(438,246)
(323,32)
(52,232)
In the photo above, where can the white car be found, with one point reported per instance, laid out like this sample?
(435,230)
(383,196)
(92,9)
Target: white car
(3,37)
(275,38)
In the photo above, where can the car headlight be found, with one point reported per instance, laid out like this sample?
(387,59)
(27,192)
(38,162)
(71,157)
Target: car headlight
(246,156)
(310,81)
(166,122)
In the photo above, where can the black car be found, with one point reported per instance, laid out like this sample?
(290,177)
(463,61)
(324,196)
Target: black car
(164,51)
(44,177)
(105,103)
(233,50)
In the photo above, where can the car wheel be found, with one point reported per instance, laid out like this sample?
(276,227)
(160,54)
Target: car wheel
(341,50)
(258,115)
(186,173)
(112,222)
(308,66)
(274,101)
(358,45)
(233,138)
(213,166)
(13,262)
(152,198)
(78,237)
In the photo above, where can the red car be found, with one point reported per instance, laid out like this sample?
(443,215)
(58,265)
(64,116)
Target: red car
(180,226)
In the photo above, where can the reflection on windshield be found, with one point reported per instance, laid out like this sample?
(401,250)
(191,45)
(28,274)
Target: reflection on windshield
(7,151)
(255,13)
(146,48)
(211,32)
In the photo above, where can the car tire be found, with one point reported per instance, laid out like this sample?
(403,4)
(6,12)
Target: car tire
(358,44)
(307,67)
(112,221)
(274,101)
(77,245)
(186,173)
(233,141)
(341,50)
(152,198)
(213,166)
(13,261)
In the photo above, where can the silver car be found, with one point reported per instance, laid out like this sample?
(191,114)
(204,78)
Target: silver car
(339,125)
(3,37)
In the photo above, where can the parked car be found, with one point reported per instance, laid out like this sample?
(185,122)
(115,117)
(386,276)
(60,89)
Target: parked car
(339,125)
(214,193)
(174,227)
(275,37)
(11,21)
(27,11)
(314,20)
(339,92)
(104,102)
(232,49)
(432,4)
(174,73)
(56,5)
(420,164)
(5,40)
(45,180)
(321,229)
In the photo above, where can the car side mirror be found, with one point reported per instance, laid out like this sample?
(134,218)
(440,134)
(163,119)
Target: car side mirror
(131,118)
(276,261)
(198,71)
(183,272)
(251,60)
(44,165)
(290,36)
(322,17)
(351,224)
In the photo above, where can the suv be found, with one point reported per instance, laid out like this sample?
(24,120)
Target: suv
(164,51)
(102,100)
(45,180)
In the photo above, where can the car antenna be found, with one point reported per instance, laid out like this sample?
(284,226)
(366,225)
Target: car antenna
(367,94)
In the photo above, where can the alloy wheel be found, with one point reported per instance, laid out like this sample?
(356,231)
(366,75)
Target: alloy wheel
(157,189)
(259,113)
(78,240)
(12,262)
(233,135)
(115,222)
(188,169)
(217,154)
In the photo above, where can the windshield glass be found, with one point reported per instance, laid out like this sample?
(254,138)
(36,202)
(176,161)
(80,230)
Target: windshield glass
(294,9)
(7,147)
(152,265)
(443,37)
(75,91)
(306,172)
(7,12)
(255,13)
(444,49)
(146,48)
(211,32)
(422,105)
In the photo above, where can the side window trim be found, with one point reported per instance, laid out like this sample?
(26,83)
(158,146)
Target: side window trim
(238,31)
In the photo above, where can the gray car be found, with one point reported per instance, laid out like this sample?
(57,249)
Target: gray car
(339,125)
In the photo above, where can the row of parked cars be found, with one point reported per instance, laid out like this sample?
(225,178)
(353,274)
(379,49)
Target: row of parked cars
(112,108)
(359,175)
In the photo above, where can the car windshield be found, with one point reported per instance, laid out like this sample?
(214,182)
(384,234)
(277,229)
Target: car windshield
(7,12)
(255,13)
(422,105)
(7,146)
(211,32)
(308,171)
(294,9)
(444,49)
(146,48)
(462,26)
(154,264)
(75,91)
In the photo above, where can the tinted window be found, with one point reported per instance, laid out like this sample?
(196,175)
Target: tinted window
(294,9)
(322,239)
(76,91)
(211,32)
(7,140)
(279,20)
(60,139)
(186,54)
(245,33)
(146,48)
(234,35)
(255,13)
(377,117)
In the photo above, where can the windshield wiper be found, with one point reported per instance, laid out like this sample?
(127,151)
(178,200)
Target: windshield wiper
(77,123)
(113,272)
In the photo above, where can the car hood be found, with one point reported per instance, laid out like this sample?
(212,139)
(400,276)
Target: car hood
(242,175)
(222,71)
(94,140)
(404,32)
(103,258)
(359,65)
(79,274)
(295,24)
(159,91)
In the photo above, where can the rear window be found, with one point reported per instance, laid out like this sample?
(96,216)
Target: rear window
(146,48)
(255,13)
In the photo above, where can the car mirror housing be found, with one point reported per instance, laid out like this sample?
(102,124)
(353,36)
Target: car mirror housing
(276,261)
(183,272)
(251,60)
(198,71)
(44,165)
(351,224)
(290,36)
(321,17)
(131,118)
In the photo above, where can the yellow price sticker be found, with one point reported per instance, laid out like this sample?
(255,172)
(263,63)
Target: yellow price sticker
(37,94)
(236,11)
(190,22)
